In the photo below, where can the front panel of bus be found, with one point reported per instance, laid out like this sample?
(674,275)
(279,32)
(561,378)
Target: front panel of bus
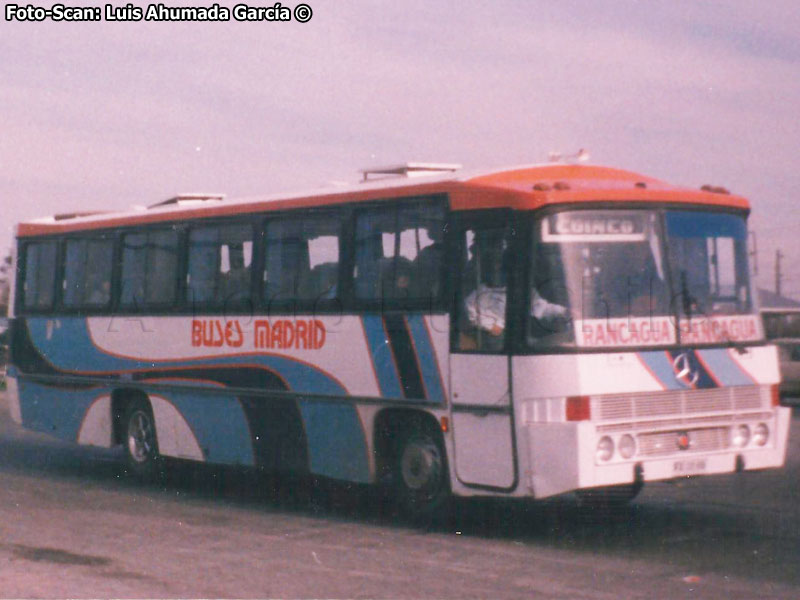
(643,355)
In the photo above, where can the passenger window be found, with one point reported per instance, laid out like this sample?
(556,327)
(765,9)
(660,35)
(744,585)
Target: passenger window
(149,268)
(87,272)
(482,289)
(220,261)
(399,253)
(40,275)
(302,259)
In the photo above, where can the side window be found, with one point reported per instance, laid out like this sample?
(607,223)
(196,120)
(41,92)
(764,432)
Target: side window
(87,272)
(149,268)
(220,264)
(399,253)
(301,259)
(481,310)
(40,275)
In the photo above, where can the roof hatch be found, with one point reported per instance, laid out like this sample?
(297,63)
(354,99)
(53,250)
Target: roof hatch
(411,169)
(189,199)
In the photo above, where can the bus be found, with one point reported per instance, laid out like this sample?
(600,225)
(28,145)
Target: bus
(525,332)
(782,328)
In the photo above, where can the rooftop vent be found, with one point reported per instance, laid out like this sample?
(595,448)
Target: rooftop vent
(580,156)
(182,199)
(714,189)
(408,170)
(75,215)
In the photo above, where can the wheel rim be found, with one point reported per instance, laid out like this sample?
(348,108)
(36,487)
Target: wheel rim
(421,465)
(141,437)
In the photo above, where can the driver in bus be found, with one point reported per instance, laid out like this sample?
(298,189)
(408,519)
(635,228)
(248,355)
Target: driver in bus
(486,305)
(486,308)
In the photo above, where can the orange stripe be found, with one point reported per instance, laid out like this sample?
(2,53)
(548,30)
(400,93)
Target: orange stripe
(506,189)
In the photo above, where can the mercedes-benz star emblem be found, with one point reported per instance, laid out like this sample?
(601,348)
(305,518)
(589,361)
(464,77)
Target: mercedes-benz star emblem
(683,370)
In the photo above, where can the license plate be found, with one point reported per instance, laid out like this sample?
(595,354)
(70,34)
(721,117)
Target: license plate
(689,466)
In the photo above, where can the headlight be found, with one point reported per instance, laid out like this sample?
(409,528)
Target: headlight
(761,434)
(741,435)
(627,446)
(605,449)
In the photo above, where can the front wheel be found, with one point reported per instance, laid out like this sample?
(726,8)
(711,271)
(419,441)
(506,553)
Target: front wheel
(141,443)
(420,474)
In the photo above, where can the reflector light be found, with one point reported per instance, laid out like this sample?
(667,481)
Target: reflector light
(445,423)
(775,393)
(579,408)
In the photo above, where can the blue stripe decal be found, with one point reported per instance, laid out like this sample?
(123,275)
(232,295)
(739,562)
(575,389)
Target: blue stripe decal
(337,447)
(382,359)
(724,368)
(69,348)
(336,440)
(661,367)
(47,409)
(218,423)
(426,357)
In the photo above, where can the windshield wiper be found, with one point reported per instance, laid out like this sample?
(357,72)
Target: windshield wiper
(687,299)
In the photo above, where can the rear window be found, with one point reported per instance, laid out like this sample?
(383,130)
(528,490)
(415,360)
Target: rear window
(40,275)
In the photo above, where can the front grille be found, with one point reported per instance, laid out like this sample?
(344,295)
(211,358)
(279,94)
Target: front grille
(700,440)
(687,404)
(660,420)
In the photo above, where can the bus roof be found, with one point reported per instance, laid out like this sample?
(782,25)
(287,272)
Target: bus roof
(522,188)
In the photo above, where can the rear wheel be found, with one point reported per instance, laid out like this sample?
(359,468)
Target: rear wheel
(141,443)
(420,474)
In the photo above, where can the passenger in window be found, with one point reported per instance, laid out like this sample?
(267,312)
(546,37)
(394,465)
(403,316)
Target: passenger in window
(101,294)
(237,282)
(396,278)
(326,278)
(428,266)
(402,282)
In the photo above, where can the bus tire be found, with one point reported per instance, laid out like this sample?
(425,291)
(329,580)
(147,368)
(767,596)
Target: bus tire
(140,440)
(419,474)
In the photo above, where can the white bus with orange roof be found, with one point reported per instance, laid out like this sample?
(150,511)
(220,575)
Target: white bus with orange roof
(526,332)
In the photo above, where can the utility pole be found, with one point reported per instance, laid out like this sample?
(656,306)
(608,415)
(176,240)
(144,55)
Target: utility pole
(754,252)
(778,275)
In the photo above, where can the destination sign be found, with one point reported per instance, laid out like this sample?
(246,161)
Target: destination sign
(654,331)
(594,226)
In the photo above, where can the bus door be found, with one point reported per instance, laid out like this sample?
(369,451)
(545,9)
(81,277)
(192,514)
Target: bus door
(479,365)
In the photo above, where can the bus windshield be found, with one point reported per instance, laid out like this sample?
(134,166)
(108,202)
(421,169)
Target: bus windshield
(640,278)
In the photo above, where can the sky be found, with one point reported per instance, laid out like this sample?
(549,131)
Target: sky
(107,115)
